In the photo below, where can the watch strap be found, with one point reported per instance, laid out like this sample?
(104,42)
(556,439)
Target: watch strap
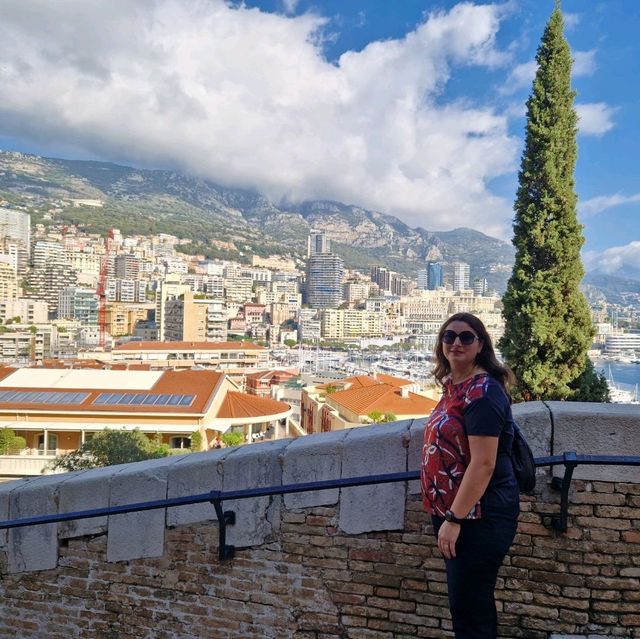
(449,516)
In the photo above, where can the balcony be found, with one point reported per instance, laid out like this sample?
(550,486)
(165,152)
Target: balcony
(28,463)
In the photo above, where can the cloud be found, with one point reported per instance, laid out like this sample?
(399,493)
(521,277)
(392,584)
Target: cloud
(571,20)
(584,63)
(618,259)
(290,5)
(595,118)
(248,99)
(590,208)
(522,75)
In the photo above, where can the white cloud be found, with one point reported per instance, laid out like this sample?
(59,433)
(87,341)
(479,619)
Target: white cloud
(290,5)
(595,118)
(596,205)
(522,75)
(248,99)
(614,260)
(584,63)
(571,20)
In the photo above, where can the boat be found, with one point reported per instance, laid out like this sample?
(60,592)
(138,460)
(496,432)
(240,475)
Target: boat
(619,395)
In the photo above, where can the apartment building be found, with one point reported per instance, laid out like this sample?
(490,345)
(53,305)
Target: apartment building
(126,266)
(78,303)
(126,291)
(338,324)
(323,287)
(27,311)
(122,319)
(8,280)
(183,319)
(228,356)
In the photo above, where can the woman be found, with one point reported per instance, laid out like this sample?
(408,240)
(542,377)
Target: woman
(468,483)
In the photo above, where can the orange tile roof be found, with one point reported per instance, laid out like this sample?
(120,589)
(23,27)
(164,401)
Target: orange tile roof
(270,374)
(240,405)
(189,346)
(202,384)
(384,398)
(363,381)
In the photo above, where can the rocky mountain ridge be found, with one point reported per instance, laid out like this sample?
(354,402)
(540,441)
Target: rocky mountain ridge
(230,222)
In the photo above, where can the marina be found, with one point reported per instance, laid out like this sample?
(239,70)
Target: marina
(623,378)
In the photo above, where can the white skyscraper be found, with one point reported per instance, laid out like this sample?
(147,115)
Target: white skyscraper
(461,273)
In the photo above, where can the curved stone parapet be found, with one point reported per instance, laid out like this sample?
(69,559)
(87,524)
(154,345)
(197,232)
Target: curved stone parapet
(551,428)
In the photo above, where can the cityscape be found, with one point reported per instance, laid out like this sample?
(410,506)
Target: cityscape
(293,340)
(291,344)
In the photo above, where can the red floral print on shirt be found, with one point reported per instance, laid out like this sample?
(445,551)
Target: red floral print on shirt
(445,451)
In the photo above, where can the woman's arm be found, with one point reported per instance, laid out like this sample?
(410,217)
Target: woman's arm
(484,452)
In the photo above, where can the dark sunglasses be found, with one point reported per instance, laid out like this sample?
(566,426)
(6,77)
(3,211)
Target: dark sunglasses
(466,337)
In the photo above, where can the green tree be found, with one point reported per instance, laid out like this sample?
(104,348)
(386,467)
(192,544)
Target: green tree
(196,441)
(376,417)
(232,439)
(290,343)
(590,386)
(111,447)
(548,323)
(10,443)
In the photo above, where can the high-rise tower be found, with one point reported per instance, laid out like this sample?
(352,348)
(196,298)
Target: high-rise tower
(325,272)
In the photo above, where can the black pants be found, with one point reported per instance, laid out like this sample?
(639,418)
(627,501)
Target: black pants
(471,576)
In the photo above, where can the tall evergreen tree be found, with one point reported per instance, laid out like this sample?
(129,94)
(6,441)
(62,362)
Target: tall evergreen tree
(548,323)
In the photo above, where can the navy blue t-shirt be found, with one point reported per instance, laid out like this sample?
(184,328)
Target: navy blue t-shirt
(490,414)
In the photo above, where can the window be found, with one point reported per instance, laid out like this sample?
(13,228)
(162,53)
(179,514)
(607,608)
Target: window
(180,442)
(52,444)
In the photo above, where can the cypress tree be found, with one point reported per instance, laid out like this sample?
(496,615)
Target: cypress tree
(548,326)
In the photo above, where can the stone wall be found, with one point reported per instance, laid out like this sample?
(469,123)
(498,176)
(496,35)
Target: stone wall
(355,563)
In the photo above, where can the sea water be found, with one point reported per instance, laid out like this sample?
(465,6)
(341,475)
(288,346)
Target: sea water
(624,375)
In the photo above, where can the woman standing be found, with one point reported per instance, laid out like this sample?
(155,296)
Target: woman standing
(468,483)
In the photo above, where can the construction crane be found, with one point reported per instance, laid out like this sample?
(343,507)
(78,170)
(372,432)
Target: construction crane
(102,291)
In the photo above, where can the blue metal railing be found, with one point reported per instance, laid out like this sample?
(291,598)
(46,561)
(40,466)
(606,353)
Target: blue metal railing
(227,517)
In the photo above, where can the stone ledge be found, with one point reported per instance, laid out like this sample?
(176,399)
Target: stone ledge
(551,428)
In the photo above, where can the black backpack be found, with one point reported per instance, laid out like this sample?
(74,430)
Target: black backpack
(524,464)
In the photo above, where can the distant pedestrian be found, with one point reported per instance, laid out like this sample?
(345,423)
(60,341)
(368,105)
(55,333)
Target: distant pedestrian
(468,483)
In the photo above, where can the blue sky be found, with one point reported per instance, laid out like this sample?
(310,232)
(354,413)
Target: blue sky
(411,108)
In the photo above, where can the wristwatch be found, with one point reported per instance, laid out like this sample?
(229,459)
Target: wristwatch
(449,516)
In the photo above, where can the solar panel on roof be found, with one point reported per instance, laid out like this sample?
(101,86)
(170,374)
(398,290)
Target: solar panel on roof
(42,397)
(145,399)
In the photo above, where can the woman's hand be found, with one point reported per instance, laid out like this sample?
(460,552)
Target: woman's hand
(447,537)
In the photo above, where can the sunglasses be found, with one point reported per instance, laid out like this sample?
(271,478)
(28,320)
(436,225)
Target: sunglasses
(466,337)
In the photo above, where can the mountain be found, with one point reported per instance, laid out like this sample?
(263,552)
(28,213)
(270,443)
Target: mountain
(232,223)
(615,290)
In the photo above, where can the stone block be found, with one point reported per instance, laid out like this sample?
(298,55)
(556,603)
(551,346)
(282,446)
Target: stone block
(378,449)
(416,434)
(313,458)
(85,490)
(138,534)
(33,547)
(253,466)
(597,429)
(534,419)
(6,488)
(195,474)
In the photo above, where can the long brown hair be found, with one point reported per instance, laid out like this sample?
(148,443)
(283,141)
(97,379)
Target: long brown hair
(486,358)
